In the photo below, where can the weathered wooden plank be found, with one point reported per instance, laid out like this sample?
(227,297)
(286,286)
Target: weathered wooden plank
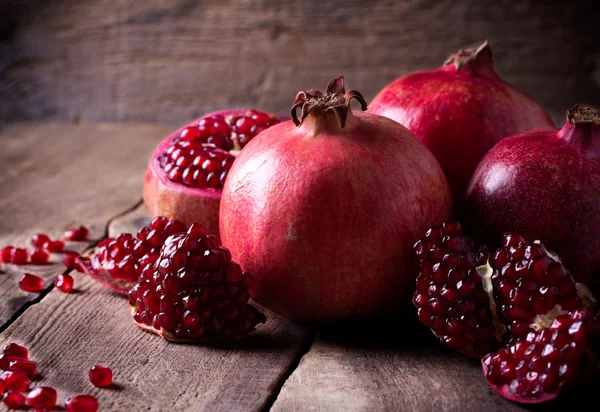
(169,61)
(54,176)
(391,366)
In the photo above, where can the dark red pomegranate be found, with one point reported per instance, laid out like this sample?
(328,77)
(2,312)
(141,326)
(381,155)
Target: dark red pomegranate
(187,170)
(194,292)
(460,111)
(324,210)
(117,263)
(533,369)
(545,185)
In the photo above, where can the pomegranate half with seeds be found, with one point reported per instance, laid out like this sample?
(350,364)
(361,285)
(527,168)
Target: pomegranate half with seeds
(324,210)
(187,170)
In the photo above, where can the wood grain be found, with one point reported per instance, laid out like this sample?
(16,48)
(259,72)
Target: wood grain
(172,60)
(390,365)
(55,176)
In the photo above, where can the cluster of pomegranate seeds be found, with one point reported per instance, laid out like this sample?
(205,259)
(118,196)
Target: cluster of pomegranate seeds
(100,376)
(125,256)
(16,380)
(42,397)
(528,282)
(200,156)
(78,234)
(81,403)
(539,364)
(31,283)
(194,292)
(450,297)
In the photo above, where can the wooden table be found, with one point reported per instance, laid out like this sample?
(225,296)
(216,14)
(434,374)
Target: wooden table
(55,175)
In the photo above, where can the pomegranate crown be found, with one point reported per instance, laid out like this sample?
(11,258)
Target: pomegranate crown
(336,99)
(578,114)
(470,56)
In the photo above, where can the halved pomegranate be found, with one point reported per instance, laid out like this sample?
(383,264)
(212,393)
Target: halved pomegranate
(187,170)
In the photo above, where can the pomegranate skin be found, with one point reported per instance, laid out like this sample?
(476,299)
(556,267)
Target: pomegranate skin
(164,197)
(460,111)
(325,217)
(545,185)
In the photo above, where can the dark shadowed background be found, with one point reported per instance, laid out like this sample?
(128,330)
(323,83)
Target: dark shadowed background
(172,60)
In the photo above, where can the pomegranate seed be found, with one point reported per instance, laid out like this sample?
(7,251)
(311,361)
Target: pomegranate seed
(39,239)
(64,283)
(100,376)
(42,397)
(78,234)
(40,257)
(16,381)
(31,283)
(54,246)
(13,349)
(1,387)
(70,262)
(6,254)
(81,403)
(21,365)
(14,400)
(19,256)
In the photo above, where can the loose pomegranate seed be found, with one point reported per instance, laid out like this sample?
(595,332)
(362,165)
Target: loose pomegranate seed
(450,297)
(64,283)
(21,365)
(100,376)
(42,397)
(40,257)
(539,364)
(186,296)
(81,403)
(528,282)
(14,400)
(15,381)
(69,260)
(31,283)
(19,256)
(78,234)
(6,254)
(13,349)
(39,240)
(54,246)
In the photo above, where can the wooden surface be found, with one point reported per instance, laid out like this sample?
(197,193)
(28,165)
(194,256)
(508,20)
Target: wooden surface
(53,176)
(172,60)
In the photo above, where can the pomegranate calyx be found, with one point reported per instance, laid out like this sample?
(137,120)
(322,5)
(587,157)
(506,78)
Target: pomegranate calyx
(335,99)
(479,61)
(578,115)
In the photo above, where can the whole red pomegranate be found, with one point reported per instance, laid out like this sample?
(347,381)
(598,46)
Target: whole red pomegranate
(324,210)
(460,111)
(187,169)
(545,185)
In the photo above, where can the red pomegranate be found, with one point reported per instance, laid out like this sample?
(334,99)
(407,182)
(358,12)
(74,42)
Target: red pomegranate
(545,185)
(324,210)
(460,111)
(187,170)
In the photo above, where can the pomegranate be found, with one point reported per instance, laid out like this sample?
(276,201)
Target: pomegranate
(533,369)
(545,185)
(460,111)
(194,292)
(118,262)
(324,210)
(187,170)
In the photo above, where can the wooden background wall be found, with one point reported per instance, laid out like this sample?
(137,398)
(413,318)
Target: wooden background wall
(172,60)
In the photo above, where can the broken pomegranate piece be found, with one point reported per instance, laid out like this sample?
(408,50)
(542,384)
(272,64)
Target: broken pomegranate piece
(118,262)
(533,370)
(194,292)
(450,296)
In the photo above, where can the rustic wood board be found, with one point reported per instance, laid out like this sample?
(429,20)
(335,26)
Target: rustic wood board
(390,365)
(172,60)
